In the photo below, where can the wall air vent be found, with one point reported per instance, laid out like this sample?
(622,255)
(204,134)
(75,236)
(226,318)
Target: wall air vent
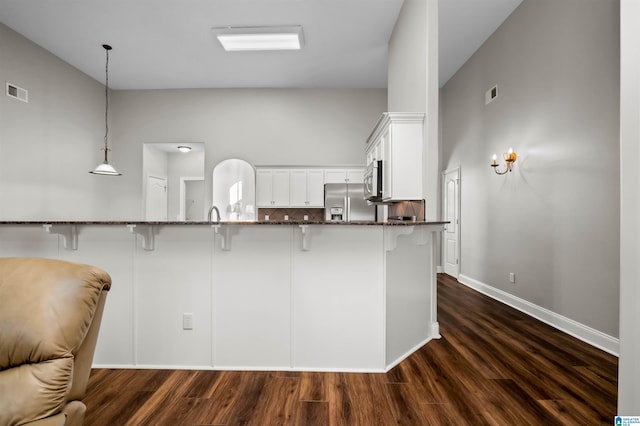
(490,95)
(18,93)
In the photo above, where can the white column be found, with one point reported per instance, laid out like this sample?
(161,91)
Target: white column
(629,368)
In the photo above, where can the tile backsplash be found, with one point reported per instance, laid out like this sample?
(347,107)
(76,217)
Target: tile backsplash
(408,208)
(314,215)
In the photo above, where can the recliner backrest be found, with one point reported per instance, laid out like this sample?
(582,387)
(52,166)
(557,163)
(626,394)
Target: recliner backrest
(47,309)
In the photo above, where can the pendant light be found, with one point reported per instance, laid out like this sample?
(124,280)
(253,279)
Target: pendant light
(105,168)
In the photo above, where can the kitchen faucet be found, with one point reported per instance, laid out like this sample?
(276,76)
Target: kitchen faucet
(217,214)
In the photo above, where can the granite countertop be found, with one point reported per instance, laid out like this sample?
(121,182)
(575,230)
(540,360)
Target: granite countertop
(250,223)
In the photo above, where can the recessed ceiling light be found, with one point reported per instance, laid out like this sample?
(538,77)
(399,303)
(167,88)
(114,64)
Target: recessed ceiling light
(260,38)
(184,148)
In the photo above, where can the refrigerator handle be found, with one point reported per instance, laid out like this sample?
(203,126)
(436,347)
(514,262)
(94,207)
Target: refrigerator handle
(347,205)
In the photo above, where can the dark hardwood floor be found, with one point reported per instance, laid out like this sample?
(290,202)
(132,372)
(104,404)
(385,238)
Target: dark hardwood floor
(493,366)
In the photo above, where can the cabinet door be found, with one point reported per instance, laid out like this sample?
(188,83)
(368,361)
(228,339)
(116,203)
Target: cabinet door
(335,176)
(264,187)
(315,188)
(280,193)
(387,164)
(298,197)
(355,176)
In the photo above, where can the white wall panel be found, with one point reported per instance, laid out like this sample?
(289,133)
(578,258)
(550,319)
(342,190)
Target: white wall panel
(263,304)
(408,294)
(252,298)
(111,248)
(173,279)
(338,298)
(27,241)
(629,368)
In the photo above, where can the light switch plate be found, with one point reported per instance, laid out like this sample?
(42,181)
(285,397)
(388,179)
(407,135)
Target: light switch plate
(187,321)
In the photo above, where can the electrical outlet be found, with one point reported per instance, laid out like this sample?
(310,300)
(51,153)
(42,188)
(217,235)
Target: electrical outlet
(187,321)
(512,277)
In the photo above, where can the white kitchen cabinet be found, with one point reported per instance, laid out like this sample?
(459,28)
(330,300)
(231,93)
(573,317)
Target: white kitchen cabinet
(397,140)
(300,187)
(272,187)
(351,175)
(355,175)
(307,188)
(315,188)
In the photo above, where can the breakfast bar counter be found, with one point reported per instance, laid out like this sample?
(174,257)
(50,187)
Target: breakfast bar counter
(270,295)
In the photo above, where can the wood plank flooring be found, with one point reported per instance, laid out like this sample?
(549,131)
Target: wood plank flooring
(493,366)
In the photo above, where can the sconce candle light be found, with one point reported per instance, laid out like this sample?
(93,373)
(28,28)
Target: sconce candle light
(509,159)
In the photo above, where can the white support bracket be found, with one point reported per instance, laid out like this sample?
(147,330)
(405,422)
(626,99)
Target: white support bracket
(69,234)
(223,231)
(420,235)
(306,243)
(146,232)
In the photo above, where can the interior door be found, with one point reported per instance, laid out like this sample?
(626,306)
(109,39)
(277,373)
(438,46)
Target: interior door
(451,213)
(156,205)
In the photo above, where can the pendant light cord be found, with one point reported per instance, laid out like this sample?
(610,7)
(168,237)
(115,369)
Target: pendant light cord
(106,97)
(105,168)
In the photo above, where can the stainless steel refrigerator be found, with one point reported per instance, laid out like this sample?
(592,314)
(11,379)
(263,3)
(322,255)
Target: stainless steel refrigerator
(345,203)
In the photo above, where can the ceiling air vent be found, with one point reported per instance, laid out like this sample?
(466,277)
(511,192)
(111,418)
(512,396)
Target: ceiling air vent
(18,93)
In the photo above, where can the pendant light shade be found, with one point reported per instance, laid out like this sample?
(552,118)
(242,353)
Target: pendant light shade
(105,168)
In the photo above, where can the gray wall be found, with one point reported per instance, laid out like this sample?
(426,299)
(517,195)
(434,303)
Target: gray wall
(554,220)
(261,126)
(48,146)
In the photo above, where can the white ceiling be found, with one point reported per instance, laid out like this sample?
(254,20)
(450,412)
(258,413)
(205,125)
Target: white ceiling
(161,44)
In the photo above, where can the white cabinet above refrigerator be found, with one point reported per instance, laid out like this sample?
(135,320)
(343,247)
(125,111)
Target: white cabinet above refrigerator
(397,141)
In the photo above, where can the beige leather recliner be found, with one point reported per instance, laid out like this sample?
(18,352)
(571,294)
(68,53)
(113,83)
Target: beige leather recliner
(50,313)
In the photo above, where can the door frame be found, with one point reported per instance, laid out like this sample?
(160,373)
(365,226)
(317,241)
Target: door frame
(183,194)
(147,194)
(458,172)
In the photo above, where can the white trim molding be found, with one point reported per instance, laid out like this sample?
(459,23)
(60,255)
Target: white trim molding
(580,331)
(407,354)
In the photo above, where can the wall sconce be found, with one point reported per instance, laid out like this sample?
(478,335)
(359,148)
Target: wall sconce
(509,159)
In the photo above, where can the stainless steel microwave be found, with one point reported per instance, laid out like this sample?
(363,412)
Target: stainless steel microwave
(373,181)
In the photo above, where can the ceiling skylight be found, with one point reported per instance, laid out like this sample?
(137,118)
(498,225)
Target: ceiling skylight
(260,38)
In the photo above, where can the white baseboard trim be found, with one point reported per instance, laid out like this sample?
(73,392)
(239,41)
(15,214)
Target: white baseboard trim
(435,330)
(152,367)
(236,368)
(338,370)
(439,269)
(585,333)
(408,354)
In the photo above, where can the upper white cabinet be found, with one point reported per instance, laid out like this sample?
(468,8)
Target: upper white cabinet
(272,187)
(307,188)
(397,141)
(354,175)
(300,187)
